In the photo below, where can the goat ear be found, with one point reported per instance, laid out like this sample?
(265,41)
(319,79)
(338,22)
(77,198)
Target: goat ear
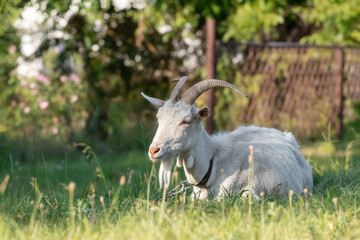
(203,113)
(154,101)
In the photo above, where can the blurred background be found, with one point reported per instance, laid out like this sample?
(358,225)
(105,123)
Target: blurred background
(72,70)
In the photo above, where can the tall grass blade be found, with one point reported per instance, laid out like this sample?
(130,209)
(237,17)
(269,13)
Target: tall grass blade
(4,184)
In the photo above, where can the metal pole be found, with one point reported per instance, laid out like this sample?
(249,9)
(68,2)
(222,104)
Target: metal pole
(210,70)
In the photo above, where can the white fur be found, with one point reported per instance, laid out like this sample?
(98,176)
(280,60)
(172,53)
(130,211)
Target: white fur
(165,171)
(278,164)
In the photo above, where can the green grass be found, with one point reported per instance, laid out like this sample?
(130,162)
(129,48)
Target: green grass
(36,202)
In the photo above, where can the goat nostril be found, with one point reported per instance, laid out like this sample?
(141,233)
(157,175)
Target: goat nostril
(154,150)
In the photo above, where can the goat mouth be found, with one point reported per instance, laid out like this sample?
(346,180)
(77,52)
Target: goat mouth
(160,157)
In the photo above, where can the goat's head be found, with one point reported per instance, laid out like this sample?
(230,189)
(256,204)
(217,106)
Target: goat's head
(179,120)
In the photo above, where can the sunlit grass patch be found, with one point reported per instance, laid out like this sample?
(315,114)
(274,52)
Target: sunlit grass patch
(111,198)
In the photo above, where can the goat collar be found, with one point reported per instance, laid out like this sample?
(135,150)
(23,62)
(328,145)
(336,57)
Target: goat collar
(205,179)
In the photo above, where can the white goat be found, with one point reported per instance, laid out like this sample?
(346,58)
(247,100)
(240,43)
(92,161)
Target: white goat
(218,164)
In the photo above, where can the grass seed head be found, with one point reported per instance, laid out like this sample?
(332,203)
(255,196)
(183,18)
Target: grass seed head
(335,202)
(72,186)
(122,180)
(4,184)
(291,192)
(251,147)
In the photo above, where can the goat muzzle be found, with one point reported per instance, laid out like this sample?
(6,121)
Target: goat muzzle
(153,151)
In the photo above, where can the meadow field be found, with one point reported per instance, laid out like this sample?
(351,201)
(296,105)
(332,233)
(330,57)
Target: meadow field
(75,129)
(110,196)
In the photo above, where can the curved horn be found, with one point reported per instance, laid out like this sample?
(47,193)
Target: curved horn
(178,87)
(154,101)
(196,90)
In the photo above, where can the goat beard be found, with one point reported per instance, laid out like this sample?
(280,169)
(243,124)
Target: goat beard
(165,171)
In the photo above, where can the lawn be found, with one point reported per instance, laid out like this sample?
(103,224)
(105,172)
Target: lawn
(109,196)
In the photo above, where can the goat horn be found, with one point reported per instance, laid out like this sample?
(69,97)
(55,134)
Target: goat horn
(175,92)
(196,90)
(154,101)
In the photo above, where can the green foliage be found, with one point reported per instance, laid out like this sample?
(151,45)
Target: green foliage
(254,19)
(9,11)
(105,56)
(337,22)
(50,105)
(319,22)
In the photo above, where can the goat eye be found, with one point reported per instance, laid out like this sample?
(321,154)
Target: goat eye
(184,122)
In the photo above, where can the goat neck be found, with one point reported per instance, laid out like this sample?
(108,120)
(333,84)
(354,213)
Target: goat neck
(196,160)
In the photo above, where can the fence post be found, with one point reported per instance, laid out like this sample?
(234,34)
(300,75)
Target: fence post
(210,71)
(339,101)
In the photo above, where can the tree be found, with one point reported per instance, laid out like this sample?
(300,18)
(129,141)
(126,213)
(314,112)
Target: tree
(117,51)
(336,22)
(318,22)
